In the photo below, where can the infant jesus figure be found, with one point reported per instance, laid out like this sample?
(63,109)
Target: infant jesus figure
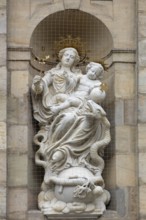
(89,88)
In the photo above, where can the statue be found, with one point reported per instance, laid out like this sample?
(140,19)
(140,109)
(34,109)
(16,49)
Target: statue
(73,133)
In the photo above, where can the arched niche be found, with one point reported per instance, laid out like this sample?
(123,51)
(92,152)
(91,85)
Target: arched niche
(98,44)
(96,36)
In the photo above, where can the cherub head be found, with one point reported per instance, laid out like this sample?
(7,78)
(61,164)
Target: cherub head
(94,71)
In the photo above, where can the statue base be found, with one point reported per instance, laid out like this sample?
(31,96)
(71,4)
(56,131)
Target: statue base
(75,190)
(73,217)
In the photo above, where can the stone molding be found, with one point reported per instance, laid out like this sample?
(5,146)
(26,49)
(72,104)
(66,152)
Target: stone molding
(115,56)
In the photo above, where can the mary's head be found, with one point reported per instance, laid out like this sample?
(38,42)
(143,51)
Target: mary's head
(69,57)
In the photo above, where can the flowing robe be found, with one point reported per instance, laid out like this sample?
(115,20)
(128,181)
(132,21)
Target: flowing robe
(73,132)
(54,82)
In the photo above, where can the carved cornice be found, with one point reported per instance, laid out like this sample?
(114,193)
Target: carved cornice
(19,49)
(125,56)
(120,51)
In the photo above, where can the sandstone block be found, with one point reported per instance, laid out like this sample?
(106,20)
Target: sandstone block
(142,205)
(18,138)
(3,168)
(142,108)
(2,202)
(17,204)
(142,137)
(3,92)
(17,170)
(3,135)
(142,81)
(130,112)
(18,65)
(125,170)
(142,24)
(19,83)
(3,3)
(19,54)
(125,139)
(69,4)
(110,171)
(124,81)
(18,110)
(142,168)
(124,56)
(3,50)
(3,25)
(140,6)
(124,28)
(35,5)
(142,54)
(35,215)
(119,112)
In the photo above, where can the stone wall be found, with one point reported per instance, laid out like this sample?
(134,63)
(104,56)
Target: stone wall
(141,69)
(3,109)
(126,20)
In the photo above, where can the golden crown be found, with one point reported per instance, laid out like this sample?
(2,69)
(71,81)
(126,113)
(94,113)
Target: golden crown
(64,42)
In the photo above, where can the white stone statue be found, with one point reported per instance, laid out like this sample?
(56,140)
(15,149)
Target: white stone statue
(73,133)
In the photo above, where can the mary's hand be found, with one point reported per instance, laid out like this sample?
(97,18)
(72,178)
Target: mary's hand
(37,85)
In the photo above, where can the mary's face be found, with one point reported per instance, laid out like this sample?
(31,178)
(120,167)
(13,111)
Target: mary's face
(68,58)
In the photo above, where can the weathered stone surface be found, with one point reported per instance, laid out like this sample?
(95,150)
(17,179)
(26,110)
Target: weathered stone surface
(2,49)
(125,139)
(142,54)
(140,8)
(142,108)
(142,24)
(110,170)
(35,215)
(119,112)
(17,169)
(130,112)
(142,204)
(124,81)
(3,93)
(68,4)
(19,23)
(36,5)
(142,80)
(142,168)
(18,65)
(19,83)
(99,9)
(19,54)
(3,135)
(3,109)
(3,168)
(3,21)
(123,56)
(3,3)
(124,37)
(18,110)
(121,201)
(18,138)
(2,202)
(125,170)
(17,204)
(142,138)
